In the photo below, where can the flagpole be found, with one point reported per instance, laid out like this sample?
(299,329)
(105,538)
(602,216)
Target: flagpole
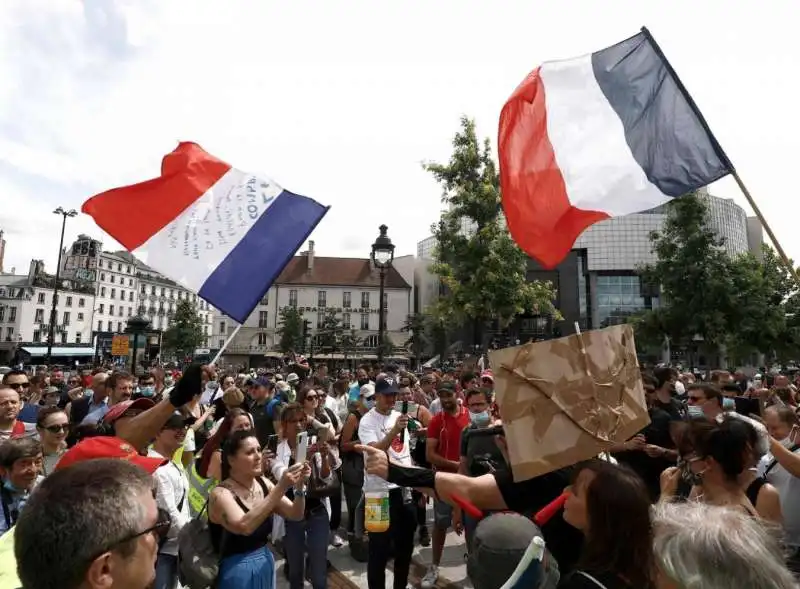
(721,153)
(225,345)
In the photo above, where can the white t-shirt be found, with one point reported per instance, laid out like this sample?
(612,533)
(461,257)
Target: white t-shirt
(374,427)
(788,487)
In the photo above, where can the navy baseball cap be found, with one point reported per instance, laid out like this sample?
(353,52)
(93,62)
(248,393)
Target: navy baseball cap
(386,386)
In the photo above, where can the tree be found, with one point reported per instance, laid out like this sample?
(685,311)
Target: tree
(418,342)
(482,269)
(290,330)
(329,335)
(694,273)
(350,342)
(387,347)
(185,333)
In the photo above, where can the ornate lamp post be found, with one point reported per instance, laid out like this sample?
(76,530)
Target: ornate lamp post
(53,312)
(137,326)
(382,257)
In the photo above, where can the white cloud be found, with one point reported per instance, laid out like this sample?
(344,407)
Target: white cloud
(341,101)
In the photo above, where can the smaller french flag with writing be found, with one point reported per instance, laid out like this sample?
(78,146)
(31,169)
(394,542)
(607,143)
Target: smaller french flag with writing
(218,231)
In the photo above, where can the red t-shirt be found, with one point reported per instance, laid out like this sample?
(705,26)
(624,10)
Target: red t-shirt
(447,429)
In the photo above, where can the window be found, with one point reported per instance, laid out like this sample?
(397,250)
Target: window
(63,337)
(205,329)
(221,327)
(80,316)
(364,321)
(102,291)
(39,317)
(66,318)
(293,298)
(119,267)
(143,289)
(99,326)
(113,293)
(78,337)
(346,320)
(346,300)
(119,327)
(121,311)
(130,311)
(322,297)
(112,279)
(110,326)
(385,300)
(37,336)
(2,314)
(103,276)
(129,269)
(365,300)
(152,290)
(69,301)
(100,308)
(130,281)
(41,298)
(320,319)
(12,314)
(265,299)
(262,339)
(81,303)
(262,319)
(163,291)
(9,333)
(111,309)
(99,263)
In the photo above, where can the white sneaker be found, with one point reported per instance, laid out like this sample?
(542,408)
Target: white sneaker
(336,540)
(430,578)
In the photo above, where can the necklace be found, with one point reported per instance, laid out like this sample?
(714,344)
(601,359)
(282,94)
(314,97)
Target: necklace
(249,490)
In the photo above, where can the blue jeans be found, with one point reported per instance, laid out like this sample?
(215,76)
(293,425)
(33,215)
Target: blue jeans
(166,571)
(308,536)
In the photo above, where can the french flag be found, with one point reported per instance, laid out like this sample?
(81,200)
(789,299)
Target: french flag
(218,231)
(606,134)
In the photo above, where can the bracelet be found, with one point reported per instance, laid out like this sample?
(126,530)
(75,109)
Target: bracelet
(299,493)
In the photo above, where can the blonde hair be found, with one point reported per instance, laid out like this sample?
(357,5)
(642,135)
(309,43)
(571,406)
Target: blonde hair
(233,397)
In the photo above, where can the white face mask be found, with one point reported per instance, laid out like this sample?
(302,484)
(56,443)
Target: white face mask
(787,442)
(695,411)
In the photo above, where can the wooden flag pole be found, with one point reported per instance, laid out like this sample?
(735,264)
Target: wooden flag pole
(225,345)
(787,262)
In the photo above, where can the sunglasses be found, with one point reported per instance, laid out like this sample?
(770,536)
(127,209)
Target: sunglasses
(311,397)
(160,530)
(19,385)
(57,429)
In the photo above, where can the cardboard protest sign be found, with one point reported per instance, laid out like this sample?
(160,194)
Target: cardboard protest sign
(568,399)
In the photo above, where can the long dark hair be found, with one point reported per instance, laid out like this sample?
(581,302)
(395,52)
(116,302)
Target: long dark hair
(620,535)
(231,446)
(214,443)
(729,443)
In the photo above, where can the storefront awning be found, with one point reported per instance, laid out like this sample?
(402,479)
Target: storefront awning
(58,351)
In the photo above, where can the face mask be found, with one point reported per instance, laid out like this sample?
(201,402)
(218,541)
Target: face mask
(147,391)
(168,382)
(728,404)
(369,403)
(692,478)
(695,411)
(479,419)
(363,381)
(787,442)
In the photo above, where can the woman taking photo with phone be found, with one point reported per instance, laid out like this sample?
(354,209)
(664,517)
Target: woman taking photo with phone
(240,509)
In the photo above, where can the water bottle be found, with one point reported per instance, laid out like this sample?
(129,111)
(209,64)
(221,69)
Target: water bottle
(376,504)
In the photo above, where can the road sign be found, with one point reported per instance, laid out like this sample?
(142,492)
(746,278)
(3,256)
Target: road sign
(119,345)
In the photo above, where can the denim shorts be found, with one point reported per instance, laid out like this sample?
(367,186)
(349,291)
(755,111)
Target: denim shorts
(442,514)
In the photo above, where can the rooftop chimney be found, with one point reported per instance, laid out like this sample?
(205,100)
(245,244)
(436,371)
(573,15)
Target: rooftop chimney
(310,256)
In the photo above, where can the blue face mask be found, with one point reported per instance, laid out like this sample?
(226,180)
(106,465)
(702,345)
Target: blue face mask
(480,419)
(147,391)
(728,404)
(695,411)
(369,403)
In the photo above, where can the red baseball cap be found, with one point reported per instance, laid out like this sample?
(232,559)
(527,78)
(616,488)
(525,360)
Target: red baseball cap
(117,410)
(108,447)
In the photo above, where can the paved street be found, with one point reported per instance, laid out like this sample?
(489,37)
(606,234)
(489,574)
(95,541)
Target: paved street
(346,573)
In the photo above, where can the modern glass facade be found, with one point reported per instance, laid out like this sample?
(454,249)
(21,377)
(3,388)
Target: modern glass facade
(618,297)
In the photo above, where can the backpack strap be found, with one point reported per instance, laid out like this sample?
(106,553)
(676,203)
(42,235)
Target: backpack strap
(5,499)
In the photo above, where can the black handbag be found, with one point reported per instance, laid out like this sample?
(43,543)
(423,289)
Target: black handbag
(318,488)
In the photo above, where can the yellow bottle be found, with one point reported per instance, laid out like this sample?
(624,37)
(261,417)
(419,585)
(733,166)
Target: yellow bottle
(376,510)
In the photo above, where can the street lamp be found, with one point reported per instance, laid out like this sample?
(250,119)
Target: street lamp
(51,328)
(382,256)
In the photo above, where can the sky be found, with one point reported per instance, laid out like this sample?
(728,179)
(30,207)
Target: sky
(342,101)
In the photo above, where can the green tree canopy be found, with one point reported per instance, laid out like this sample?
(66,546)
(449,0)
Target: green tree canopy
(185,333)
(290,330)
(481,267)
(329,335)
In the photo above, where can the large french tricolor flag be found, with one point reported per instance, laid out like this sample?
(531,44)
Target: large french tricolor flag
(218,231)
(606,134)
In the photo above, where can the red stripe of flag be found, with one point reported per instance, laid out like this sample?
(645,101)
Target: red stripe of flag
(540,217)
(132,214)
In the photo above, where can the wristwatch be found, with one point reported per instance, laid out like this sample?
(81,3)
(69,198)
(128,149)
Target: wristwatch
(300,492)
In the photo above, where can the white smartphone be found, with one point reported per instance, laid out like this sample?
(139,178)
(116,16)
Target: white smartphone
(302,447)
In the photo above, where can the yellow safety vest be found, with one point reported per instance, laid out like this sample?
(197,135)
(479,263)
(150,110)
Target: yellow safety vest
(199,489)
(8,562)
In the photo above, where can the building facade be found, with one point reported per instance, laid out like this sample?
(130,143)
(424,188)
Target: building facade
(314,285)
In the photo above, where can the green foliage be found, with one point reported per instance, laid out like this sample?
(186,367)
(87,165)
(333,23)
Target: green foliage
(185,333)
(484,271)
(418,342)
(350,342)
(386,347)
(290,330)
(329,335)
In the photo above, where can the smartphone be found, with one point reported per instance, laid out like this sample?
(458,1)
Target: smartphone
(406,407)
(302,447)
(272,443)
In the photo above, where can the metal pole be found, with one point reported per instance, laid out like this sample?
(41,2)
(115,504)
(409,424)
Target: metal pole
(133,357)
(52,326)
(381,312)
